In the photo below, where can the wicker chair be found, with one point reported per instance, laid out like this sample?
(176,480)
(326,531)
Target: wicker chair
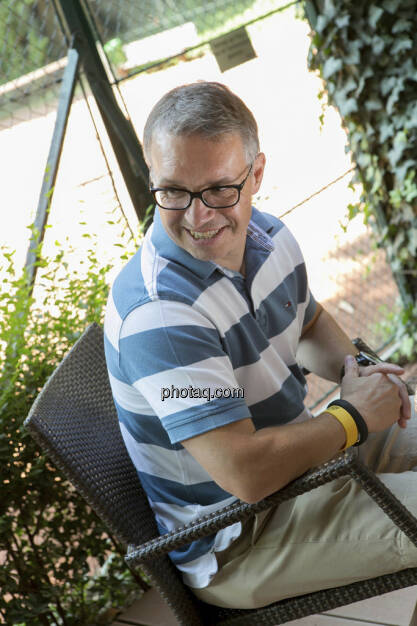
(75,422)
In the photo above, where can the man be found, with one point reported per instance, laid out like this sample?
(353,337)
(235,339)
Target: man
(216,305)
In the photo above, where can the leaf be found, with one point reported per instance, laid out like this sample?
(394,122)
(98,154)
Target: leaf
(401,25)
(409,70)
(321,23)
(401,44)
(395,154)
(353,55)
(386,130)
(350,84)
(391,6)
(329,9)
(402,170)
(346,105)
(375,13)
(331,66)
(394,97)
(387,84)
(378,44)
(342,20)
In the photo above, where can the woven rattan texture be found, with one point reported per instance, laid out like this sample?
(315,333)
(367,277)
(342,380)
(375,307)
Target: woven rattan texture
(75,422)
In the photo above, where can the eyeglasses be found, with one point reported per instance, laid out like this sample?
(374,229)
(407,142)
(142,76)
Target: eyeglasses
(219,197)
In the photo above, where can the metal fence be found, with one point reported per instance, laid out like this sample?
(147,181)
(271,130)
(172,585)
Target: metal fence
(33,49)
(32,60)
(132,34)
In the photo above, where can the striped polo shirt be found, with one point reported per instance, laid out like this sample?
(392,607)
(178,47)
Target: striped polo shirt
(181,334)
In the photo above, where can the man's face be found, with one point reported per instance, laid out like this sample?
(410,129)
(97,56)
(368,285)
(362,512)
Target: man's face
(195,163)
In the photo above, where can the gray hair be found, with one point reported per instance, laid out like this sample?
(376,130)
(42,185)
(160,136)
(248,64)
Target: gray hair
(203,108)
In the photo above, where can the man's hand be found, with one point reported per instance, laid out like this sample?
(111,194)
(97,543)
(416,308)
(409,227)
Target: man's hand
(393,372)
(376,396)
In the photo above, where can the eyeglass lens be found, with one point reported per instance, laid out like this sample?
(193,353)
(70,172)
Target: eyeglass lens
(220,197)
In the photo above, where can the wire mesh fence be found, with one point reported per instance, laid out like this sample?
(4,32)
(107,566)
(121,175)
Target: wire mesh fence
(348,273)
(32,59)
(350,277)
(136,36)
(364,296)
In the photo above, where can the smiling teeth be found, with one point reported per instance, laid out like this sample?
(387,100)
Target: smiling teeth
(208,234)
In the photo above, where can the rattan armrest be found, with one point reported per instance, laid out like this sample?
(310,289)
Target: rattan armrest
(204,526)
(344,464)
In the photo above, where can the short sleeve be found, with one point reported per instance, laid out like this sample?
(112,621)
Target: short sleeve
(173,355)
(310,310)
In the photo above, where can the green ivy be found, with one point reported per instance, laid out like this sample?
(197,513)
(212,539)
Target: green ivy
(366,54)
(48,534)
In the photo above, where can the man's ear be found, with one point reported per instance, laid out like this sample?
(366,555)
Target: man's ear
(258,171)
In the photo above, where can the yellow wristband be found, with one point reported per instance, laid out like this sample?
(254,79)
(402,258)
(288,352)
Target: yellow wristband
(348,424)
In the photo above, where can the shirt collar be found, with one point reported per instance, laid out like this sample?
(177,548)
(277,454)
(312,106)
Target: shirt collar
(167,248)
(261,220)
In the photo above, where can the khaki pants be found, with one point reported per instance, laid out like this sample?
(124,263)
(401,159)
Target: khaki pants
(331,536)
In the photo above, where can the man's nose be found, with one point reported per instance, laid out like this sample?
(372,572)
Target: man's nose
(198,213)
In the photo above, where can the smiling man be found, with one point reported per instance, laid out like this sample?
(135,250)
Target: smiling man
(204,231)
(207,330)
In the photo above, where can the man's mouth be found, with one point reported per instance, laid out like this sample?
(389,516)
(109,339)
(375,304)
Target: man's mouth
(204,234)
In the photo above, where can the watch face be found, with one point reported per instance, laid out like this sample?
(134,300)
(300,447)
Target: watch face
(364,358)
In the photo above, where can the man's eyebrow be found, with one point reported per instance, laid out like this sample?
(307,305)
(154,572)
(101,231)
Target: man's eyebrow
(226,180)
(164,182)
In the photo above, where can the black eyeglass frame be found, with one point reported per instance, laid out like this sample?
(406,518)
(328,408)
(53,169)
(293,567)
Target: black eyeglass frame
(199,194)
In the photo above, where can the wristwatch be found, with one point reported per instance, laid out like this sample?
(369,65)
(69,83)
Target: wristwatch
(363,357)
(367,358)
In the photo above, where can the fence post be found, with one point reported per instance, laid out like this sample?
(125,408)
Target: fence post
(126,145)
(52,164)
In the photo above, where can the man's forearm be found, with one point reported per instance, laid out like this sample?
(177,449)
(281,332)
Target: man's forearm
(253,464)
(323,346)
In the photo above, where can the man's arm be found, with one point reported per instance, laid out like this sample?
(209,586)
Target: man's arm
(323,346)
(253,464)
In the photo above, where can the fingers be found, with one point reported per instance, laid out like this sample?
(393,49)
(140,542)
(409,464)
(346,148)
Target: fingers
(351,367)
(405,400)
(381,368)
(392,372)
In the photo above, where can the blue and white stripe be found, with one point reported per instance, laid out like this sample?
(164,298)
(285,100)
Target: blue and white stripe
(175,320)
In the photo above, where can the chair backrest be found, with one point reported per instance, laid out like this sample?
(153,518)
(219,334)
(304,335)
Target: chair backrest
(75,421)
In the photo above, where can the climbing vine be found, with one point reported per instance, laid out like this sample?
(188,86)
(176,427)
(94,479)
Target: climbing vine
(366,54)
